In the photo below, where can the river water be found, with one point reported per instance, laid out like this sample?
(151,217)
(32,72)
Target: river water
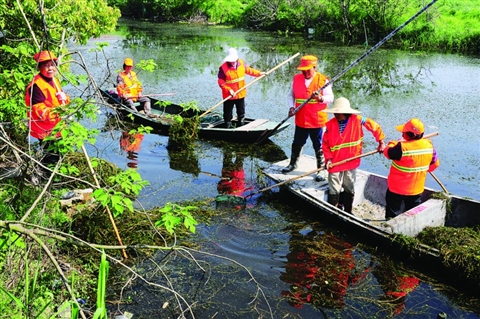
(305,266)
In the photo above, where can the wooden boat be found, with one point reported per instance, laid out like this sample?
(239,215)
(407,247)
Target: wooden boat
(212,125)
(368,215)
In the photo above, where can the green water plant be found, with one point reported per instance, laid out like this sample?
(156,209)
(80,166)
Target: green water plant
(128,183)
(173,215)
(101,311)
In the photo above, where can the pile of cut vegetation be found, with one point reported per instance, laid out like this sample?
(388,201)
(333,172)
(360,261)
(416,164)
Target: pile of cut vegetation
(459,248)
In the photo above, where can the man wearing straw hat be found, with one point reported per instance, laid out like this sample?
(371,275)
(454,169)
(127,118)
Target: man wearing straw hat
(412,157)
(231,78)
(309,120)
(343,140)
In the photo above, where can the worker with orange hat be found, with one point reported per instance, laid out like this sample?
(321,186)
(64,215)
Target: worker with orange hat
(43,95)
(129,88)
(309,120)
(412,157)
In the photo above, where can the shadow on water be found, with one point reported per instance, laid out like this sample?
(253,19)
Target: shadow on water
(305,268)
(308,266)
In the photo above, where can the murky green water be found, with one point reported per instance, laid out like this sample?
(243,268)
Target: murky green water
(306,267)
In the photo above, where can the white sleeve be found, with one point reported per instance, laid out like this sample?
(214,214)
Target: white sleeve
(327,93)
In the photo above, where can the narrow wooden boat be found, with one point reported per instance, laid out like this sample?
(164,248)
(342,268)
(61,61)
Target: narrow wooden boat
(369,204)
(212,125)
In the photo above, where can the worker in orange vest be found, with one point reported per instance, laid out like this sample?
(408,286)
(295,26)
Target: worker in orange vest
(309,120)
(412,157)
(343,139)
(130,90)
(231,78)
(43,96)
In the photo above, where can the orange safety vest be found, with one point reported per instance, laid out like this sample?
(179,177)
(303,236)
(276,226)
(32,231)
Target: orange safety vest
(310,115)
(131,86)
(235,79)
(41,118)
(407,176)
(337,147)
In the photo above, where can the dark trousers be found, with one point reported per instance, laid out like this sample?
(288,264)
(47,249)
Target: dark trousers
(301,135)
(228,109)
(49,156)
(394,202)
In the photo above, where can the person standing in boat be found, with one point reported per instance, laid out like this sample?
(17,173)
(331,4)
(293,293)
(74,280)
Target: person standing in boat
(343,140)
(231,78)
(43,96)
(412,157)
(309,120)
(129,88)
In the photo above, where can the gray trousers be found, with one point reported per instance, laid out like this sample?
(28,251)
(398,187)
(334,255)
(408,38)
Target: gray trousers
(144,103)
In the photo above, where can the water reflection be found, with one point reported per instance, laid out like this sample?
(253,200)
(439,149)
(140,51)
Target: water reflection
(396,285)
(415,85)
(183,159)
(232,181)
(130,143)
(320,268)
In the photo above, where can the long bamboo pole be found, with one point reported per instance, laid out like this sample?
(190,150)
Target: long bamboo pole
(98,185)
(269,133)
(439,182)
(250,83)
(332,165)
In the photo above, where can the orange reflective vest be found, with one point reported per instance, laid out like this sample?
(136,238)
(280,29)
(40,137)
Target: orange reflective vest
(131,142)
(310,115)
(407,176)
(41,118)
(131,87)
(235,79)
(338,146)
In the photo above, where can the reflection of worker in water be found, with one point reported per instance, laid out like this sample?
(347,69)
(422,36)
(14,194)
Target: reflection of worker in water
(396,286)
(131,144)
(319,270)
(233,174)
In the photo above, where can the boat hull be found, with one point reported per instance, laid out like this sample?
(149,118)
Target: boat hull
(212,125)
(369,204)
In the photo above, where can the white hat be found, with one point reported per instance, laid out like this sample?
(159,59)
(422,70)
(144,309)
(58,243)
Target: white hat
(342,105)
(232,55)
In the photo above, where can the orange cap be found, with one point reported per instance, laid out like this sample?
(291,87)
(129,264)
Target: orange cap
(414,125)
(307,62)
(44,56)
(128,62)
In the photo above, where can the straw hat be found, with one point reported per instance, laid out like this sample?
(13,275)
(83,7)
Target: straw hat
(307,62)
(44,56)
(414,125)
(128,62)
(232,55)
(342,106)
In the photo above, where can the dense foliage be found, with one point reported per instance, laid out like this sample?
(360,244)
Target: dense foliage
(26,32)
(448,25)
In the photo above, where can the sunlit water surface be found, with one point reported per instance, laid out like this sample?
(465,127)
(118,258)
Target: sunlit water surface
(307,268)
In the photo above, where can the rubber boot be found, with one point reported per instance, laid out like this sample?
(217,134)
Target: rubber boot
(333,199)
(320,163)
(293,159)
(229,124)
(348,202)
